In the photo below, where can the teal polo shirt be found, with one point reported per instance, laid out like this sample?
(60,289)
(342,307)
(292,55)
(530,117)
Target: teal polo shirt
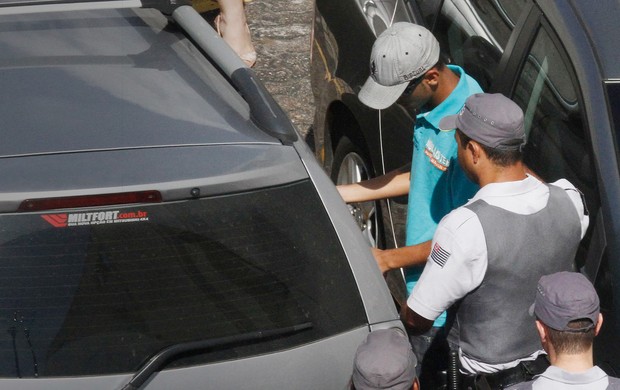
(438,183)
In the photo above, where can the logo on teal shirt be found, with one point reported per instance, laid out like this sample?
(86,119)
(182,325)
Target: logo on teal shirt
(436,157)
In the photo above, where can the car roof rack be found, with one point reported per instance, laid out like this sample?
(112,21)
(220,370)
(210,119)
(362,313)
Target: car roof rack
(264,110)
(267,114)
(14,7)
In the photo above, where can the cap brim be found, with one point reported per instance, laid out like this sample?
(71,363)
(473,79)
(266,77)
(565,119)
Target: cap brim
(379,96)
(448,122)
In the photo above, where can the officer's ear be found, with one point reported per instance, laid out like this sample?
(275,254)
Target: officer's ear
(542,331)
(544,335)
(416,384)
(475,150)
(599,323)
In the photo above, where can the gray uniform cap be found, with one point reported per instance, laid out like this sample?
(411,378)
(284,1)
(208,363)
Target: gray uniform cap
(490,119)
(564,297)
(384,361)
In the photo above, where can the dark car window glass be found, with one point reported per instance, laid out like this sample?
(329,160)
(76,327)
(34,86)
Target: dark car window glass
(558,145)
(474,34)
(428,9)
(99,291)
(613,94)
(499,17)
(511,11)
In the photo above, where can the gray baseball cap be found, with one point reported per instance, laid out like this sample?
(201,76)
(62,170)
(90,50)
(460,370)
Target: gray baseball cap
(491,119)
(564,297)
(403,52)
(384,361)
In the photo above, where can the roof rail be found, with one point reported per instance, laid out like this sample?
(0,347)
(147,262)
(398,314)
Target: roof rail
(265,111)
(15,7)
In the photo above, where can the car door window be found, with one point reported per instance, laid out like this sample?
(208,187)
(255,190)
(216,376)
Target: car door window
(558,144)
(499,17)
(428,11)
(474,34)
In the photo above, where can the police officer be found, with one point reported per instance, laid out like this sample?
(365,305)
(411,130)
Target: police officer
(568,317)
(489,254)
(385,361)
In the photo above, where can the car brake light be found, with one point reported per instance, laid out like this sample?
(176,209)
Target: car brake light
(90,200)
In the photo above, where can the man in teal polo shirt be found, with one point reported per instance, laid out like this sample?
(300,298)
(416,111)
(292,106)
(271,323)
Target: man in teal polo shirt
(406,67)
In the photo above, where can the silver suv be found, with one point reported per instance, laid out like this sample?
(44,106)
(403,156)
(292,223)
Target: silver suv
(162,224)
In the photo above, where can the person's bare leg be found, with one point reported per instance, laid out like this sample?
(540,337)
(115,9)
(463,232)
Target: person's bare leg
(234,30)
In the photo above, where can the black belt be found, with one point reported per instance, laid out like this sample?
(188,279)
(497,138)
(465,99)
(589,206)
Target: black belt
(522,372)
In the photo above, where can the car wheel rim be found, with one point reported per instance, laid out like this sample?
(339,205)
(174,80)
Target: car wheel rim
(352,170)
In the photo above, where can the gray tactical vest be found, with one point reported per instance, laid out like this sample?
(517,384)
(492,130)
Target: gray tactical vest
(492,322)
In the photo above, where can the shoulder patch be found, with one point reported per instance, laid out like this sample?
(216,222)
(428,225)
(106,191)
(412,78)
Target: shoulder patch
(439,255)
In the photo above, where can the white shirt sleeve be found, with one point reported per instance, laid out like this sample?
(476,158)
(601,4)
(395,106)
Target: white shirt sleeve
(456,266)
(575,196)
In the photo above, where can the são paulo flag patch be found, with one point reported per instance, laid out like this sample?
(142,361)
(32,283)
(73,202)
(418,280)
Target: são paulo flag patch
(439,255)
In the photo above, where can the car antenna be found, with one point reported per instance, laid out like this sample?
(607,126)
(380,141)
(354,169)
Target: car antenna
(387,201)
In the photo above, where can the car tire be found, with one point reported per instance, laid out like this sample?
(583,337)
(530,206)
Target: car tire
(351,165)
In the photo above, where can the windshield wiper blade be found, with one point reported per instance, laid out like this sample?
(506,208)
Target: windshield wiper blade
(161,358)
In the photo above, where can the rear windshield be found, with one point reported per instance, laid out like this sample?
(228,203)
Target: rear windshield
(98,291)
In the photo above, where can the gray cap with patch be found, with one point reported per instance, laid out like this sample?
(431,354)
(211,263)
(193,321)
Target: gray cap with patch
(564,297)
(384,361)
(490,119)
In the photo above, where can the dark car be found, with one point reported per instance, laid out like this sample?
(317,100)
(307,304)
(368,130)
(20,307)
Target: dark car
(163,226)
(557,59)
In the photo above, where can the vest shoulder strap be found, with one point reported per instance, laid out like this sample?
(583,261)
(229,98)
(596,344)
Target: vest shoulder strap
(614,383)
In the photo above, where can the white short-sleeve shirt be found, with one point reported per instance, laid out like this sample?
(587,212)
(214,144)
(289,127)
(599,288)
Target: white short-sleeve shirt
(458,260)
(554,378)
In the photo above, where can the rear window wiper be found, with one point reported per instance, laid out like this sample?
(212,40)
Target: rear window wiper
(161,358)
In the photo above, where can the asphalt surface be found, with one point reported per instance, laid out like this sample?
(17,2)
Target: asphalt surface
(281,31)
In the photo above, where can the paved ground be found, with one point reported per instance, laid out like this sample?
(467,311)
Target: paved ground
(281,32)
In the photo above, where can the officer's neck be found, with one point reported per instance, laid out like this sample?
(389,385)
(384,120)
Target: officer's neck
(498,174)
(578,362)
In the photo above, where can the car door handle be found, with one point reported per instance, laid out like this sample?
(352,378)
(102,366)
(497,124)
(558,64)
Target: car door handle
(367,4)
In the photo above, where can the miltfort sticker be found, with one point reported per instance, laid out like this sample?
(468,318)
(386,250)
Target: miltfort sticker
(95,218)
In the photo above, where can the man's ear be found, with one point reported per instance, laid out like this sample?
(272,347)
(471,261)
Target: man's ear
(416,384)
(542,331)
(544,336)
(599,323)
(432,77)
(475,149)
